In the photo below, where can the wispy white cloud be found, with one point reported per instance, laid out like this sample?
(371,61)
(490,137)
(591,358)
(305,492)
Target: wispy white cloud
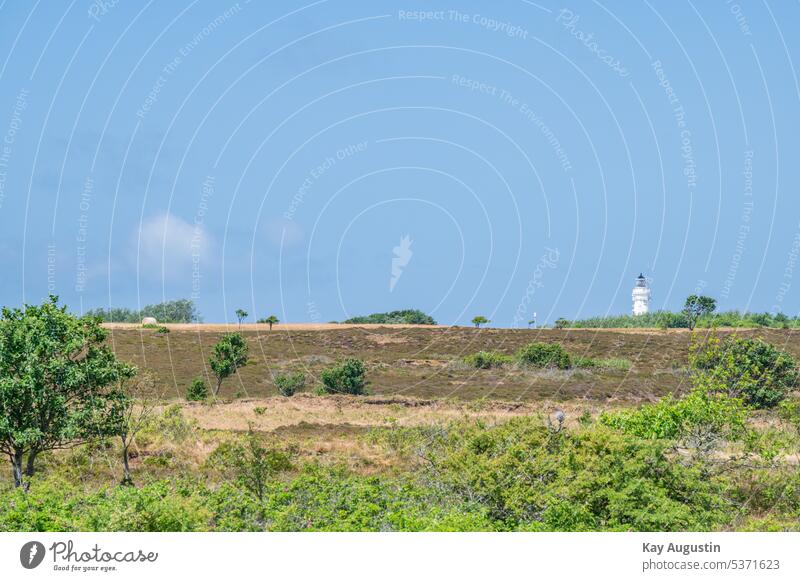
(169,246)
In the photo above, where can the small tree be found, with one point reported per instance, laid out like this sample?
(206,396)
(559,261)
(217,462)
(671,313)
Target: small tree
(696,307)
(230,353)
(198,391)
(480,320)
(59,383)
(347,376)
(271,320)
(561,323)
(138,410)
(241,315)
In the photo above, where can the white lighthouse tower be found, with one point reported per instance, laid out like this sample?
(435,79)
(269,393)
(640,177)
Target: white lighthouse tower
(641,296)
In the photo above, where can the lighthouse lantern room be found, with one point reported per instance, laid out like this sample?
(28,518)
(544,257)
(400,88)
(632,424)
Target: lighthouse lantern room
(641,296)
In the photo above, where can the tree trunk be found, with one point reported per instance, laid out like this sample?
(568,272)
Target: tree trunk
(127,480)
(219,384)
(270,326)
(16,466)
(29,465)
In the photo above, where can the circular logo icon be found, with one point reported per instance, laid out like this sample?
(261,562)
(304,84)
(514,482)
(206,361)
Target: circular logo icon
(31,554)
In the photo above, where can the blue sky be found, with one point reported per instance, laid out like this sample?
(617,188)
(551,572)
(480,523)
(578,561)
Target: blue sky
(274,156)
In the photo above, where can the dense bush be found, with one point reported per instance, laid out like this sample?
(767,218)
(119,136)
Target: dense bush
(347,376)
(316,499)
(702,420)
(197,391)
(744,367)
(529,478)
(543,355)
(404,317)
(487,359)
(290,384)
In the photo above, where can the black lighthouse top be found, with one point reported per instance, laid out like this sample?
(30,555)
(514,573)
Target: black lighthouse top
(641,281)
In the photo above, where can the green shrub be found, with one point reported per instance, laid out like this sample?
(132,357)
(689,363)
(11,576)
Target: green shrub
(172,425)
(347,376)
(197,391)
(562,323)
(543,355)
(529,478)
(744,367)
(702,420)
(249,463)
(487,360)
(290,384)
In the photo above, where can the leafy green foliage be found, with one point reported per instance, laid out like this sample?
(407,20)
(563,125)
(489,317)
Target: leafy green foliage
(404,317)
(562,323)
(696,307)
(230,353)
(178,311)
(271,320)
(250,463)
(529,478)
(487,360)
(543,355)
(290,384)
(480,320)
(197,391)
(744,367)
(241,315)
(58,382)
(702,420)
(347,376)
